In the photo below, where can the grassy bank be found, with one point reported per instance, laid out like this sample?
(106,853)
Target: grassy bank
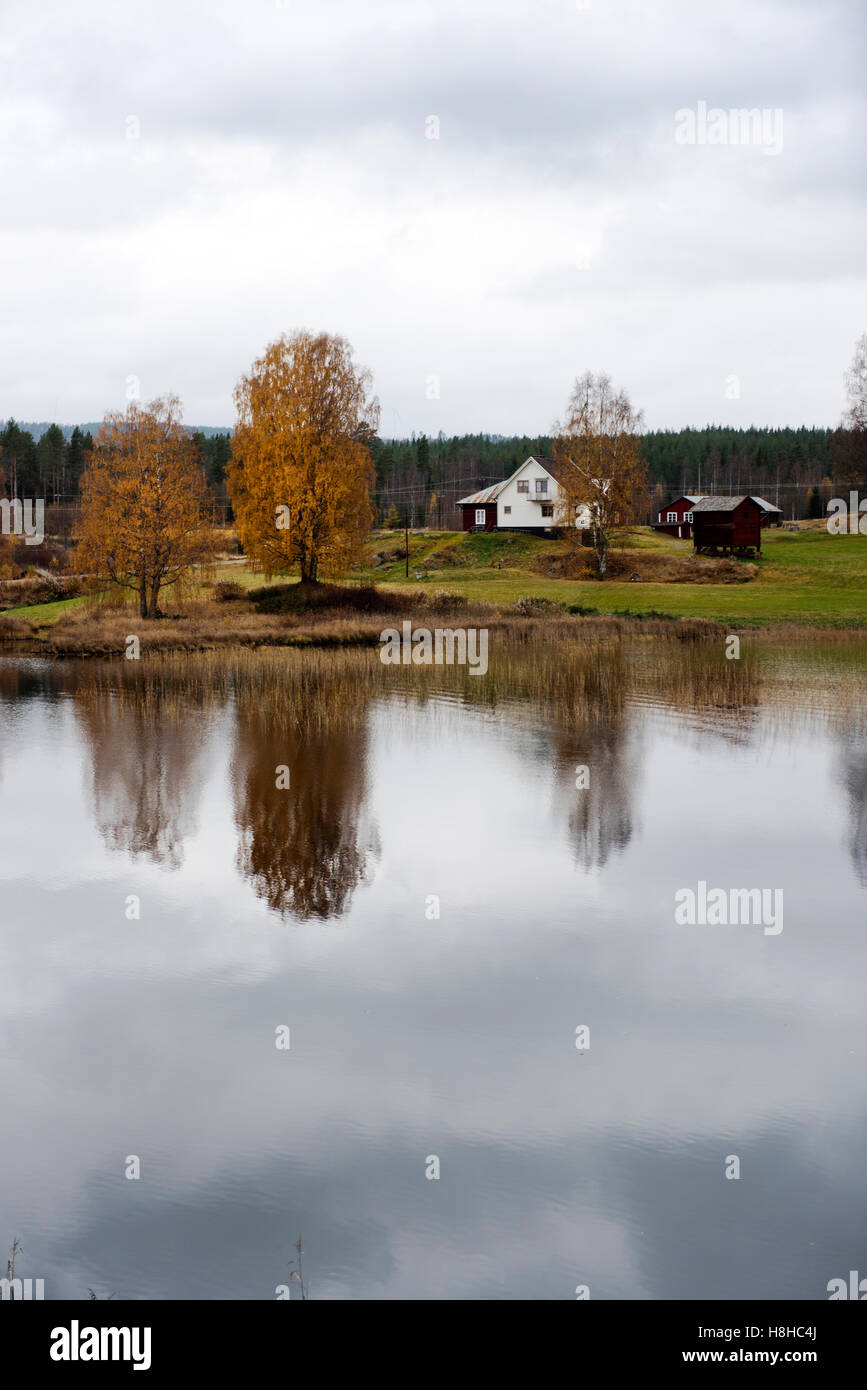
(293,615)
(805,579)
(806,576)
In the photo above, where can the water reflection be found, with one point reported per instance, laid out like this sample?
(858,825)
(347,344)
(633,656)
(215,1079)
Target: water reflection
(305,851)
(853,775)
(145,769)
(305,848)
(597,803)
(453,1036)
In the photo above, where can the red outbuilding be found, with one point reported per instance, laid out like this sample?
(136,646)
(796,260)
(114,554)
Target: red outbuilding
(676,518)
(728,524)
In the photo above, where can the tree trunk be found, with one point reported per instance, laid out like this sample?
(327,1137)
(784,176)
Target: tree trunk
(155,594)
(600,545)
(309,569)
(143,599)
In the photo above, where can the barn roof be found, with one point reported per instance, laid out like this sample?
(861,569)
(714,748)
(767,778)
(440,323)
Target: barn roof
(728,504)
(718,504)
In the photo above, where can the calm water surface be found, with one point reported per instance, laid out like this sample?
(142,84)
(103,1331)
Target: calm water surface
(414,1035)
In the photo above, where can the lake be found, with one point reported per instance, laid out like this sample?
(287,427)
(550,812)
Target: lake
(437,1002)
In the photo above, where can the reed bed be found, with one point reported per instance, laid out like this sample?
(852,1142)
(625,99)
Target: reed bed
(572,669)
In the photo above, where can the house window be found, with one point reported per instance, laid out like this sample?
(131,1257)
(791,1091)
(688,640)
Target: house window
(548,511)
(480,516)
(687,516)
(508,511)
(672,516)
(523,485)
(541,484)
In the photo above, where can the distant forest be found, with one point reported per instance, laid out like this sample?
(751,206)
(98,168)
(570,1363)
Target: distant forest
(47,461)
(796,469)
(419,480)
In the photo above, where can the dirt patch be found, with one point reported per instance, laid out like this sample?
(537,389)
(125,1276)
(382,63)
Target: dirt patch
(646,567)
(388,557)
(680,569)
(447,556)
(564,564)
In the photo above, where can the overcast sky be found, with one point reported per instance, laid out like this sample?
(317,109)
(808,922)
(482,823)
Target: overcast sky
(183,180)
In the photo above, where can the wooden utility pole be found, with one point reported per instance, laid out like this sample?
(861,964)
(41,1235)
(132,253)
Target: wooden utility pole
(406,539)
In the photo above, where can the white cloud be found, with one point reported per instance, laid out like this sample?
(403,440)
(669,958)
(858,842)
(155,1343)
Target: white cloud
(282,178)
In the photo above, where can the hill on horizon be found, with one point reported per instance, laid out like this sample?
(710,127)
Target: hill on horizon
(38,427)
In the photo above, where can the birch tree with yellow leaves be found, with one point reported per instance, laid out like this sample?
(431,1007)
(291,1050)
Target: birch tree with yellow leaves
(600,466)
(145,519)
(301,473)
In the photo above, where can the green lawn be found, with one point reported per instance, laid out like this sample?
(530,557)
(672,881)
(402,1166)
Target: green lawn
(43,612)
(50,612)
(806,577)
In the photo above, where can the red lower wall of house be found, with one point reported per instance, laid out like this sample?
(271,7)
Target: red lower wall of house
(469,517)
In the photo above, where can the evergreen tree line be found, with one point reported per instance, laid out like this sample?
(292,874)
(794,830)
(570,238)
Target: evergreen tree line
(419,480)
(50,467)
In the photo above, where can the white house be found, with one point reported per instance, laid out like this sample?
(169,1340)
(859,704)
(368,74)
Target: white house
(531,500)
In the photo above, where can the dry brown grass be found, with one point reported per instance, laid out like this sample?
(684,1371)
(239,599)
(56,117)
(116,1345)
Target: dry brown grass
(98,629)
(200,626)
(13,630)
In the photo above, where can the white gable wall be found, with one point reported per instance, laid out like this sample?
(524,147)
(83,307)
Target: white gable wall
(526,511)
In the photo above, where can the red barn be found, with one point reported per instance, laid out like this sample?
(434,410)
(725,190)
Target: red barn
(676,518)
(771,515)
(728,524)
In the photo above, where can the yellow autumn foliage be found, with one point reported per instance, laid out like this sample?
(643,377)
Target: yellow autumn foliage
(145,519)
(301,472)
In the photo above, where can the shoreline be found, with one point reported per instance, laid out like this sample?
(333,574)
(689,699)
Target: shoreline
(106,639)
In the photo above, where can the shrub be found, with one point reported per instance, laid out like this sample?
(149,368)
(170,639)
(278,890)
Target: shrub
(531,606)
(227,591)
(306,598)
(37,588)
(45,554)
(446,601)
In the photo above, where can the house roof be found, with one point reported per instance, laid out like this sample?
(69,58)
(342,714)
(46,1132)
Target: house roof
(767,506)
(490,494)
(478,499)
(563,472)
